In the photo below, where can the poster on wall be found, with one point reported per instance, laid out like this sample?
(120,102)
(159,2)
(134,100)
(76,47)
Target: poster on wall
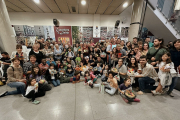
(117,32)
(103,33)
(87,33)
(96,31)
(39,31)
(28,30)
(19,30)
(49,32)
(124,32)
(110,32)
(80,34)
(63,33)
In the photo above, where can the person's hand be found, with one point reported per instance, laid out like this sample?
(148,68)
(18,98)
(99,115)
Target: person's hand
(179,67)
(162,69)
(101,71)
(41,82)
(153,63)
(153,58)
(122,92)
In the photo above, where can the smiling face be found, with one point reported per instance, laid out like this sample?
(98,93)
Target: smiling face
(16,62)
(36,70)
(143,61)
(33,82)
(145,46)
(133,60)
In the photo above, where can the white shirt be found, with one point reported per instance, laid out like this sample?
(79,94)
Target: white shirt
(30,88)
(70,54)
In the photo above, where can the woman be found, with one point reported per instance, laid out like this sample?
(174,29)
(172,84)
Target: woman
(92,43)
(114,56)
(132,68)
(91,60)
(145,49)
(57,53)
(39,55)
(69,61)
(47,52)
(140,44)
(122,70)
(52,47)
(83,59)
(91,50)
(129,47)
(80,49)
(96,53)
(15,79)
(36,74)
(19,54)
(85,50)
(76,49)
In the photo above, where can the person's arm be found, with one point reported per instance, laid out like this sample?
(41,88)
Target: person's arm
(25,57)
(10,75)
(124,69)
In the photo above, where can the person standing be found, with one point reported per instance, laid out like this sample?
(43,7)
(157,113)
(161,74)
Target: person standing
(148,41)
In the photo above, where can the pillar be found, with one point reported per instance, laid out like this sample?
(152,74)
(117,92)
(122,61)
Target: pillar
(137,9)
(7,38)
(96,28)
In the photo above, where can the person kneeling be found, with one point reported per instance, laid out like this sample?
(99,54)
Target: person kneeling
(126,87)
(33,92)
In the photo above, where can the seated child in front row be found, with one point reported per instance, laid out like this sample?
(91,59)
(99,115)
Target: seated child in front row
(76,78)
(53,74)
(33,92)
(90,79)
(126,86)
(69,71)
(104,77)
(97,70)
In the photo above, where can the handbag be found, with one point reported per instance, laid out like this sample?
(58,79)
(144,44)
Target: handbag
(173,72)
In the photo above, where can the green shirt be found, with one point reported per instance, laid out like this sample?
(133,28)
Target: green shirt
(158,55)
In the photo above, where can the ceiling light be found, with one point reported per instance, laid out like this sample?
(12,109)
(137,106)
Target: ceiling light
(125,4)
(36,1)
(83,2)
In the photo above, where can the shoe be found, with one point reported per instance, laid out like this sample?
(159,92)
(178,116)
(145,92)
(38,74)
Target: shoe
(170,94)
(99,75)
(140,93)
(36,102)
(3,94)
(155,93)
(136,100)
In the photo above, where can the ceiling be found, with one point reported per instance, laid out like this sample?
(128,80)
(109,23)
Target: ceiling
(106,7)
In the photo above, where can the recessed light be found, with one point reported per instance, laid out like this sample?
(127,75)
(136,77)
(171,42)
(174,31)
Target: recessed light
(83,2)
(125,4)
(36,1)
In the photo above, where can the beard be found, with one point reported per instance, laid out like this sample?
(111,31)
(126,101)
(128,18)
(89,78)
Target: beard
(156,45)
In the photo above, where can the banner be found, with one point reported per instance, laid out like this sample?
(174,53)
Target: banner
(96,31)
(63,33)
(49,32)
(19,30)
(39,31)
(103,33)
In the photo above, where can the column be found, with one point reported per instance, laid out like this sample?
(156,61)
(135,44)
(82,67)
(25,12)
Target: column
(96,28)
(7,38)
(135,19)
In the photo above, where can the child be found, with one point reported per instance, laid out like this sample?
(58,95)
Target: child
(33,92)
(165,78)
(51,61)
(53,74)
(62,70)
(70,54)
(77,68)
(104,77)
(76,78)
(112,84)
(58,63)
(69,71)
(90,79)
(83,68)
(97,70)
(78,60)
(126,86)
(65,63)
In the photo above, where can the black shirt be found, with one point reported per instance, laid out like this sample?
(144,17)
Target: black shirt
(39,56)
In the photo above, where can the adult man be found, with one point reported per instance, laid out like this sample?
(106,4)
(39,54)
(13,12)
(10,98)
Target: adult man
(137,53)
(6,61)
(122,51)
(101,63)
(175,57)
(147,75)
(135,39)
(43,67)
(154,53)
(28,65)
(122,45)
(148,41)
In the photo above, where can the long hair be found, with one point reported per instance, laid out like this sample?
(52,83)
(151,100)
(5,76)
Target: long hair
(168,60)
(178,40)
(147,44)
(130,64)
(33,73)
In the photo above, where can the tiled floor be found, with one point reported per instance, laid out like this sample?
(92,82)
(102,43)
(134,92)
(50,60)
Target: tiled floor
(79,102)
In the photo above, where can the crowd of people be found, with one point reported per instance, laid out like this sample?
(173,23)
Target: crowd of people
(119,65)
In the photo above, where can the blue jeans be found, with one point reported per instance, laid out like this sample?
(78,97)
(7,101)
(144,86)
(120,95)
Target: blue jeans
(20,86)
(146,83)
(171,87)
(109,59)
(55,82)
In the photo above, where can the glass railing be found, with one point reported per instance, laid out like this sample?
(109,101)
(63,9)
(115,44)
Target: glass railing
(167,8)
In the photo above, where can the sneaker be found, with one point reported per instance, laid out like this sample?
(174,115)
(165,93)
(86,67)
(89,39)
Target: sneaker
(99,75)
(155,93)
(36,102)
(140,93)
(3,94)
(170,94)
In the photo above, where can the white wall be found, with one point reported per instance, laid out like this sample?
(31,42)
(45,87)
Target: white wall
(31,19)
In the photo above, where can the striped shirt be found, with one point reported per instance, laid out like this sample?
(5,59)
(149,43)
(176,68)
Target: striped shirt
(149,71)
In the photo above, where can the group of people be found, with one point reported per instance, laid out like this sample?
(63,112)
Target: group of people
(119,65)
